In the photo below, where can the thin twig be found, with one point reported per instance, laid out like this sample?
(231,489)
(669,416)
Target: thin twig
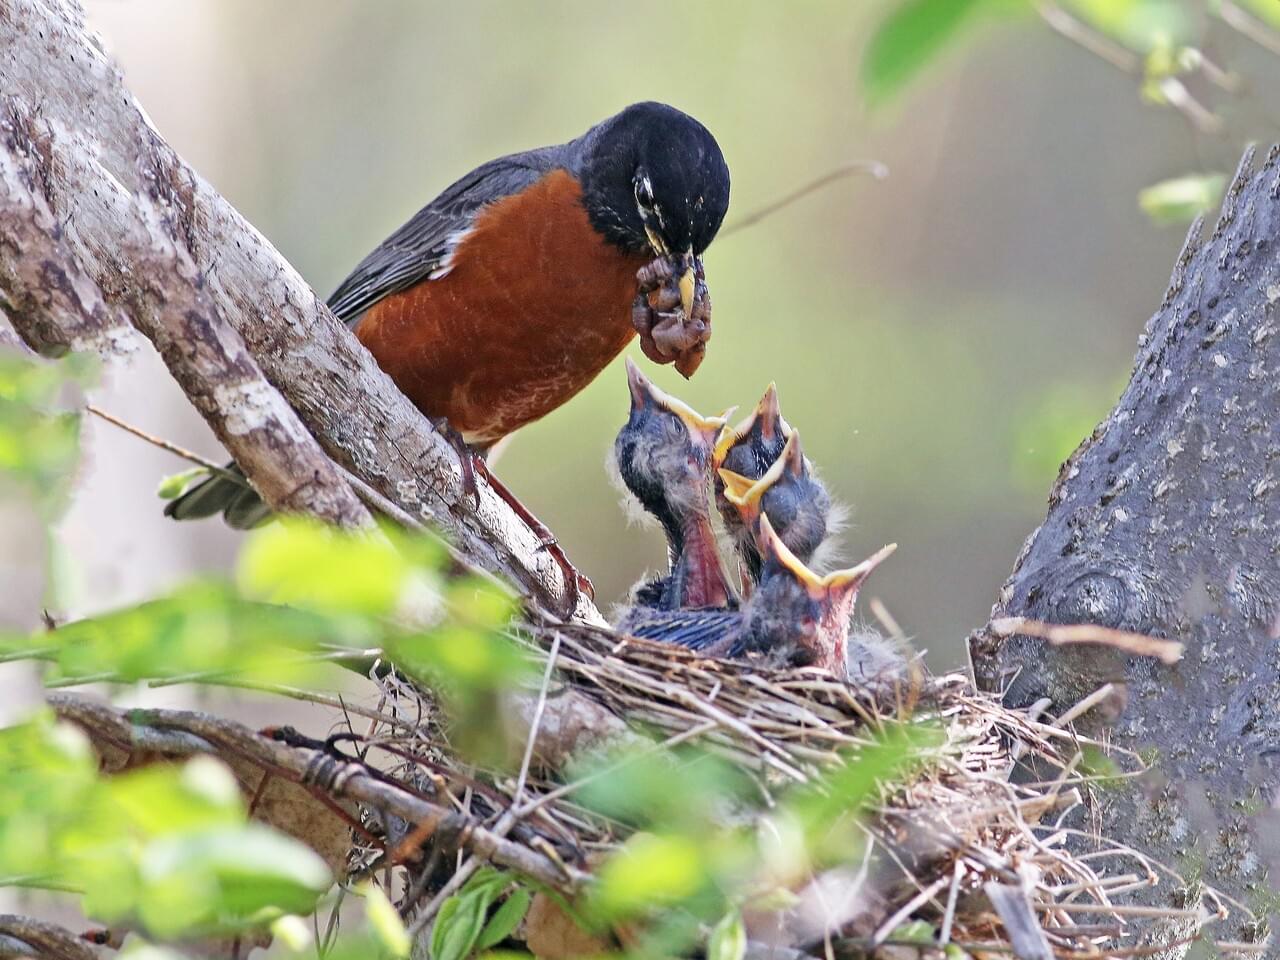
(874,168)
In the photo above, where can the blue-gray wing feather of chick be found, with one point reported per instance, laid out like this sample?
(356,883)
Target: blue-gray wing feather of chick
(699,629)
(423,245)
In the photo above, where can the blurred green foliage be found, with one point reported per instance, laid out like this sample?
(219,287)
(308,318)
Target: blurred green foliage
(697,860)
(1182,199)
(169,848)
(467,924)
(40,426)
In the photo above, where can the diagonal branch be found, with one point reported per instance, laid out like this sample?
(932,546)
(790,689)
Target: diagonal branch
(60,307)
(53,71)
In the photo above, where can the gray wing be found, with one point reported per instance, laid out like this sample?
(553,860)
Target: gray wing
(422,246)
(697,629)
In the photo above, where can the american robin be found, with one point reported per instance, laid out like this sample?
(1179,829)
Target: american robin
(663,456)
(789,494)
(794,617)
(507,294)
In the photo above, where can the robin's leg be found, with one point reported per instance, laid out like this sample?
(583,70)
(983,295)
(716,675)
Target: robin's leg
(473,463)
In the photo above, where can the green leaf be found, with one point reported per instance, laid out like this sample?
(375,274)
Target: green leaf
(385,920)
(505,919)
(227,877)
(202,627)
(458,925)
(1182,199)
(728,940)
(176,484)
(306,564)
(162,800)
(39,437)
(827,809)
(907,40)
(293,931)
(649,870)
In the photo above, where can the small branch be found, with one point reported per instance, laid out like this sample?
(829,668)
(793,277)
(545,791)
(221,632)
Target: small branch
(1138,644)
(874,168)
(28,937)
(162,443)
(1096,43)
(185,732)
(1250,26)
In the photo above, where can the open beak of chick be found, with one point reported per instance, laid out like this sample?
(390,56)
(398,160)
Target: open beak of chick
(763,427)
(830,588)
(747,495)
(834,595)
(702,430)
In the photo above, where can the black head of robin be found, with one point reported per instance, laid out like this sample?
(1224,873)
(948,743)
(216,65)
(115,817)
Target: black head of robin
(654,181)
(796,617)
(663,457)
(789,494)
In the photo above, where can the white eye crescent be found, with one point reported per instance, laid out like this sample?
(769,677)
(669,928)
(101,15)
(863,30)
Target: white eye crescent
(644,193)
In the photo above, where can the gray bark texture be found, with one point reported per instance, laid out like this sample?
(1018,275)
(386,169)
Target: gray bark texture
(58,306)
(63,95)
(1166,521)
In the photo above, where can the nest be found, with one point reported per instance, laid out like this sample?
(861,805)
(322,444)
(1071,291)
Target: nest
(992,865)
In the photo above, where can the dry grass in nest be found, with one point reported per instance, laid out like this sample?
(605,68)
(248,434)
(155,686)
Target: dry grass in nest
(995,866)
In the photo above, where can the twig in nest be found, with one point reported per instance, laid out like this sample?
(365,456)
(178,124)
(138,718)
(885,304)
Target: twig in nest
(1139,644)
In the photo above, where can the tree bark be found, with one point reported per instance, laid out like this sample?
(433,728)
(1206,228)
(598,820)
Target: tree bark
(52,71)
(59,307)
(1166,521)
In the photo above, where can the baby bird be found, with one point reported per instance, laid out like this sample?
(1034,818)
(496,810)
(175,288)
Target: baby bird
(794,618)
(750,448)
(795,501)
(663,455)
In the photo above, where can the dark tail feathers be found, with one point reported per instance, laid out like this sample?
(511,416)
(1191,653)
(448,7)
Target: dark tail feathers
(238,502)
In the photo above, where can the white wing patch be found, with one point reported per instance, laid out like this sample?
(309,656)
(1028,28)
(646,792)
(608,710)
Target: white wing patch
(451,243)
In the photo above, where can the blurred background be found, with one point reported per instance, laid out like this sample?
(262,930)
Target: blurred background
(942,338)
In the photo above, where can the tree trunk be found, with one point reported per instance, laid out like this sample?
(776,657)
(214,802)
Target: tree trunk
(1166,521)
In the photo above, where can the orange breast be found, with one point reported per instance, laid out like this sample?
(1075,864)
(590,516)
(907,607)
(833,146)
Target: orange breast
(536,305)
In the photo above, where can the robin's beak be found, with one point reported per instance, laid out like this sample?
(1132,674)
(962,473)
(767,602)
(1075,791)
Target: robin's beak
(766,417)
(687,285)
(830,590)
(702,430)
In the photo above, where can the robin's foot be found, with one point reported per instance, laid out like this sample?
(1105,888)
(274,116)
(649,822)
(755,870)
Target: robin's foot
(467,458)
(575,583)
(472,465)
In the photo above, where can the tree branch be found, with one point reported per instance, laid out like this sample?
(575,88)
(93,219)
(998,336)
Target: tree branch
(181,732)
(27,937)
(158,288)
(52,71)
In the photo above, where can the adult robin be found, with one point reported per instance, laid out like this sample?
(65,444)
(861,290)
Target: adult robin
(789,494)
(507,294)
(794,618)
(663,457)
